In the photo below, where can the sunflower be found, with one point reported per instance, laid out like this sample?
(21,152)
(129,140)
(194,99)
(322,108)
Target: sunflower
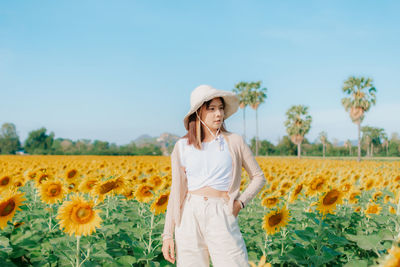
(42,176)
(111,186)
(156,181)
(353,196)
(160,204)
(316,185)
(52,191)
(78,216)
(387,198)
(296,192)
(377,195)
(270,202)
(87,185)
(128,194)
(392,210)
(143,193)
(372,209)
(18,182)
(346,187)
(31,175)
(10,202)
(275,220)
(369,184)
(71,174)
(394,258)
(5,182)
(261,263)
(328,201)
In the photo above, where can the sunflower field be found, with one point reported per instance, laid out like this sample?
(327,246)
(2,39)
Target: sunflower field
(109,211)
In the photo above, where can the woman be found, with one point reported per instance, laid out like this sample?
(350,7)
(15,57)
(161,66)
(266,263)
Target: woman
(205,196)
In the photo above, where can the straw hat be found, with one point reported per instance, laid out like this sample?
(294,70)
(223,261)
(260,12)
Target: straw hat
(203,93)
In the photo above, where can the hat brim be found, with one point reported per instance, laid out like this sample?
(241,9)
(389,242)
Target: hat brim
(231,105)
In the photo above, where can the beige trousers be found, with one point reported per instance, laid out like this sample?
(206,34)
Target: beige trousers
(207,229)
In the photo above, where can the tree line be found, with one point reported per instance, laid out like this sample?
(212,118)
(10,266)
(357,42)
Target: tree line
(373,143)
(39,142)
(319,148)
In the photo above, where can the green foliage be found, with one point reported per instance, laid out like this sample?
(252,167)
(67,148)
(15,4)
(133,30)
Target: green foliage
(9,140)
(38,142)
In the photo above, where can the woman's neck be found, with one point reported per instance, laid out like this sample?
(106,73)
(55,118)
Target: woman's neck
(209,137)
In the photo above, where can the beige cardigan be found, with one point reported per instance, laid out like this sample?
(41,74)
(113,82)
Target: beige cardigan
(241,156)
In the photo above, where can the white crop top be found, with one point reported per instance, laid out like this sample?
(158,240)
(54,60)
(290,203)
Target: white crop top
(207,167)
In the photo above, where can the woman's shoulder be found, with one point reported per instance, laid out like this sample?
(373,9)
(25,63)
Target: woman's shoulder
(181,143)
(234,137)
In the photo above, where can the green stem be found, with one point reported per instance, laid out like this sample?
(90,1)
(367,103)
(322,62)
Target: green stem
(151,230)
(51,212)
(107,206)
(319,239)
(78,238)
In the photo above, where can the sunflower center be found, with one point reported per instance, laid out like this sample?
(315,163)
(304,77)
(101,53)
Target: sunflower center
(71,174)
(82,214)
(275,219)
(7,207)
(373,209)
(331,197)
(319,185)
(5,180)
(162,200)
(146,191)
(107,187)
(272,200)
(54,190)
(43,178)
(298,189)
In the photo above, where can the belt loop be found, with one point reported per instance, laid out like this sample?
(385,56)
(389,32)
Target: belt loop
(188,197)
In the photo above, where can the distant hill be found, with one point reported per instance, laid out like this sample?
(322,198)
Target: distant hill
(145,139)
(166,141)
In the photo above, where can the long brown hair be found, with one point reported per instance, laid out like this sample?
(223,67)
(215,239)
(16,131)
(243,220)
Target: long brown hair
(195,134)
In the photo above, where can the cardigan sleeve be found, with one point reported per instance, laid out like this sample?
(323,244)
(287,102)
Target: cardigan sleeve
(169,224)
(256,175)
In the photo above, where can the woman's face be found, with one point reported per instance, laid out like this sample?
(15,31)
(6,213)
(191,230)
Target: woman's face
(213,116)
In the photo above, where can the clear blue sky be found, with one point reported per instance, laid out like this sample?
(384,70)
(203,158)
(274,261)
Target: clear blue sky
(114,70)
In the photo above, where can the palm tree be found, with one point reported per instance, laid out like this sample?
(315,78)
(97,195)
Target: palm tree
(361,96)
(373,136)
(348,145)
(257,95)
(297,125)
(323,137)
(242,91)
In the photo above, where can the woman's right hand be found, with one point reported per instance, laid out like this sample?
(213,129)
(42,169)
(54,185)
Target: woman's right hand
(168,250)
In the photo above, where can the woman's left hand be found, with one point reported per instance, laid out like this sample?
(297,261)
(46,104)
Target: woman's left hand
(236,207)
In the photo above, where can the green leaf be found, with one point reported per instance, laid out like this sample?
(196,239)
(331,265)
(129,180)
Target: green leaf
(101,255)
(4,242)
(126,260)
(386,234)
(369,242)
(356,263)
(306,234)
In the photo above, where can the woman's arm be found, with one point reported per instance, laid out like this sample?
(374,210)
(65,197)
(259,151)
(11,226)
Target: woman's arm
(257,178)
(169,220)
